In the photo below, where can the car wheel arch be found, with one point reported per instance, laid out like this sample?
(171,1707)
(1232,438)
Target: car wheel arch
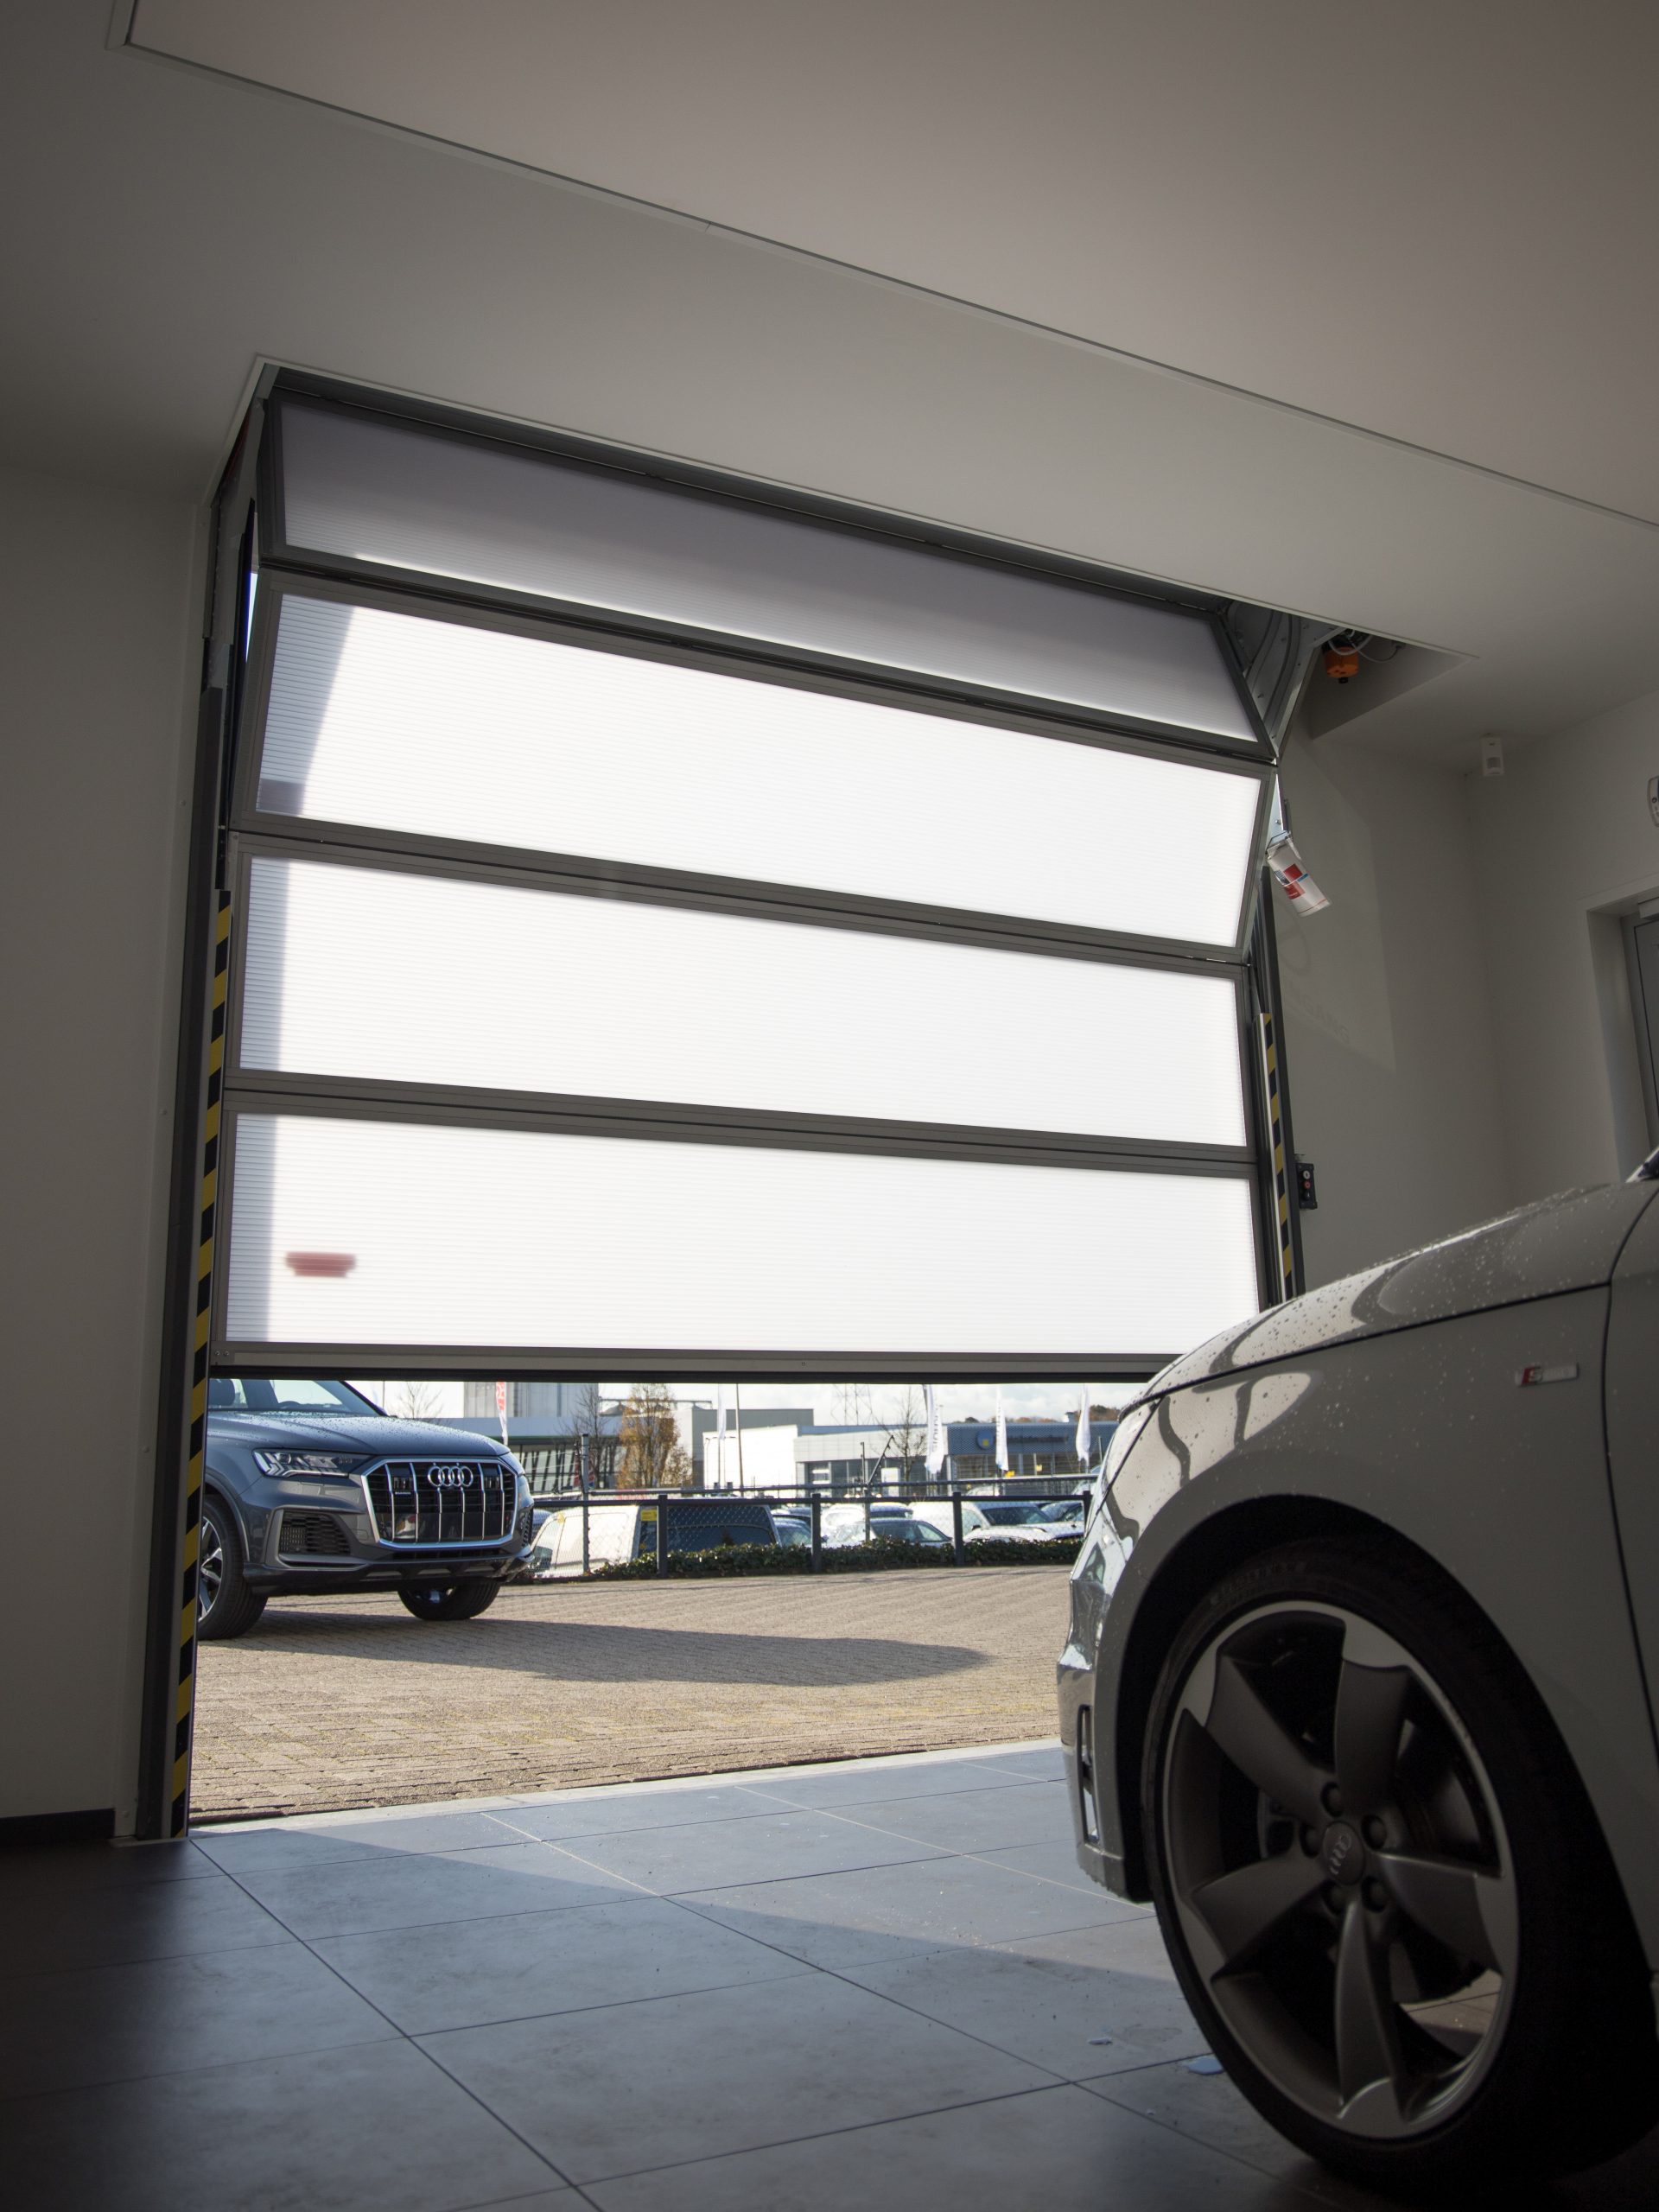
(1210,1551)
(219,1496)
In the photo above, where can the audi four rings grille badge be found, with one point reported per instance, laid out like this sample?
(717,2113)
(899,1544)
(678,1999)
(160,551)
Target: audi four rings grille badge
(450,1478)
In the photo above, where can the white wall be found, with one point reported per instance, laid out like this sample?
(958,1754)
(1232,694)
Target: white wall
(97,590)
(1564,843)
(1388,1040)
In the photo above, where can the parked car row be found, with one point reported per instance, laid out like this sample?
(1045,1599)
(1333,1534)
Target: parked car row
(619,1530)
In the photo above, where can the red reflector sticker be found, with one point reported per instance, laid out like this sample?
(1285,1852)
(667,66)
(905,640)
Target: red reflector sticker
(321,1263)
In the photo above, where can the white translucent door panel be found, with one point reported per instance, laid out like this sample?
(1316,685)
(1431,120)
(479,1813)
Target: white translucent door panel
(359,1234)
(493,985)
(427,727)
(373,490)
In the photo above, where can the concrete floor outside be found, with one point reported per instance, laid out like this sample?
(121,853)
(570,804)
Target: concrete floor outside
(337,1703)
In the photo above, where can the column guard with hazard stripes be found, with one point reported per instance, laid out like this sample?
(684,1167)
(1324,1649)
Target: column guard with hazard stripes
(184,1706)
(1284,1243)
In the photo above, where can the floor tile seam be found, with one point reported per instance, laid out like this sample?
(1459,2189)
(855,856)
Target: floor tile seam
(506,2204)
(673,1828)
(1304,2195)
(850,1814)
(604,2004)
(556,2170)
(397,1927)
(1147,2066)
(592,1866)
(15,1977)
(476,1920)
(709,1920)
(72,1885)
(927,1855)
(827,2134)
(976,1782)
(448,1920)
(765,1808)
(329,1967)
(989,1859)
(10,1974)
(687,1903)
(207,2066)
(842,1974)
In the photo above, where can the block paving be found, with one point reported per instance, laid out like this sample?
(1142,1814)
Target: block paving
(336,1703)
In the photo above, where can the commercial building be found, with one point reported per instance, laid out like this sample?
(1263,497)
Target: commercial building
(843,1457)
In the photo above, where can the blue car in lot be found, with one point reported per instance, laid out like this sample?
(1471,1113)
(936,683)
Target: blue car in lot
(309,1489)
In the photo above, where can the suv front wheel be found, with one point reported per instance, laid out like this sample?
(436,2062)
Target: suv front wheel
(224,1604)
(452,1601)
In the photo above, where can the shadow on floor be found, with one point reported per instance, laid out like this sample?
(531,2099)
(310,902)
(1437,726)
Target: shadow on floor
(571,1651)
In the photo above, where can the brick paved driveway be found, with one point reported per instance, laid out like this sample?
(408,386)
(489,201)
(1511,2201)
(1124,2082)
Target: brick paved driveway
(346,1701)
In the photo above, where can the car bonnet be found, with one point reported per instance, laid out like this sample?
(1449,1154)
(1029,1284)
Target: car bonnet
(1569,1243)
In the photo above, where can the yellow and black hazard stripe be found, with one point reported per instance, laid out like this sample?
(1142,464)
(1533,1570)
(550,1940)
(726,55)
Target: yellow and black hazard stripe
(208,1202)
(1280,1167)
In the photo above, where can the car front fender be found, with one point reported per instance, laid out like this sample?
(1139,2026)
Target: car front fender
(1427,1437)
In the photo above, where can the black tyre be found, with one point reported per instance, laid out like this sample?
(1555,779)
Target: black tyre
(224,1604)
(1382,1886)
(452,1601)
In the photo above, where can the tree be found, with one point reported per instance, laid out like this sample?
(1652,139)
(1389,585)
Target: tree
(587,1404)
(653,1456)
(907,1434)
(415,1400)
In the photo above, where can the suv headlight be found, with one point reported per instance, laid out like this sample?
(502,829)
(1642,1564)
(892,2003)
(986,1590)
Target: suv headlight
(340,1463)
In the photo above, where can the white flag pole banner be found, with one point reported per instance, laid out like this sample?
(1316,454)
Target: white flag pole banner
(719,1430)
(1002,1434)
(501,1414)
(936,1438)
(1085,1435)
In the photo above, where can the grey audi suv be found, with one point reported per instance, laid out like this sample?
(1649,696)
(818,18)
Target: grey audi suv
(310,1489)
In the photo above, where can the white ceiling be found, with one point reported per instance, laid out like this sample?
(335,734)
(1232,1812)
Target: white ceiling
(1462,309)
(1435,220)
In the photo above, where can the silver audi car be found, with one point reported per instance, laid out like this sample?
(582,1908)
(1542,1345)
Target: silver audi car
(1358,1691)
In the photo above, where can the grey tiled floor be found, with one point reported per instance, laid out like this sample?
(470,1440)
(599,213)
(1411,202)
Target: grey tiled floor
(879,1986)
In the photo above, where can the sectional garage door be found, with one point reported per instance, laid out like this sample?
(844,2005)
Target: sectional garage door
(679,934)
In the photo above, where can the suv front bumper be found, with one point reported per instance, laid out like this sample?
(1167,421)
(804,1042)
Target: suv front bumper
(309,1535)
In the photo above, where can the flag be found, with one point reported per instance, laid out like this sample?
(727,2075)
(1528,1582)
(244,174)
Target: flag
(1085,1435)
(501,1414)
(719,1431)
(1002,1434)
(936,1438)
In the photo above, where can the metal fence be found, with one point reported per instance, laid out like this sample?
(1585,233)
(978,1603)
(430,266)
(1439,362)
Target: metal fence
(663,1512)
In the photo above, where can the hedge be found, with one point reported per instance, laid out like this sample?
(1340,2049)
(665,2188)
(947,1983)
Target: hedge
(838,1558)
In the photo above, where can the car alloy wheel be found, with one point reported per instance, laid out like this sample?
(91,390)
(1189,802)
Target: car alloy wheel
(210,1565)
(1340,1868)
